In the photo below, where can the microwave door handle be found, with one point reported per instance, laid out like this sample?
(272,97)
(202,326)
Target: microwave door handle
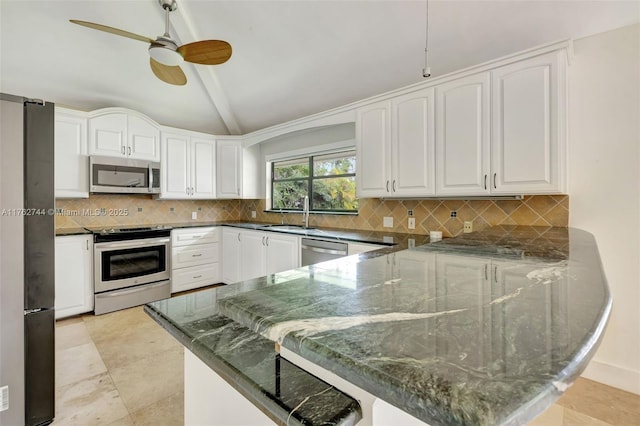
(150,178)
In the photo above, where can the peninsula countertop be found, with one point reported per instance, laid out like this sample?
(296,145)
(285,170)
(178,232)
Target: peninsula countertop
(488,328)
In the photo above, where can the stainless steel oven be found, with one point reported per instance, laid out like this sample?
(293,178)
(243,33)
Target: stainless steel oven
(131,267)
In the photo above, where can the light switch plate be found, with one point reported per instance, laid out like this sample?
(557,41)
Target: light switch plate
(387,222)
(194,215)
(412,223)
(253,214)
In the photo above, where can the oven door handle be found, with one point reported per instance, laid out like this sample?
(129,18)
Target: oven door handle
(131,243)
(134,290)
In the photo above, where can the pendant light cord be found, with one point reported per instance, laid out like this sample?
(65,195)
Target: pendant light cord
(426,71)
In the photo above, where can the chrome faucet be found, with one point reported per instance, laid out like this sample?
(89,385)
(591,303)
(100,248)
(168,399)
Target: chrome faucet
(305,212)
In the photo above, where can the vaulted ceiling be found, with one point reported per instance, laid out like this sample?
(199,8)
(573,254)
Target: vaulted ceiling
(290,58)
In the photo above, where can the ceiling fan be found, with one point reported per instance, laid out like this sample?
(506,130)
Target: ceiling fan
(166,55)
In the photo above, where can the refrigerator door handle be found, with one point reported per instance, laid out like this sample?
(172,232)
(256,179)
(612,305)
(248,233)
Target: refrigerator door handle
(32,311)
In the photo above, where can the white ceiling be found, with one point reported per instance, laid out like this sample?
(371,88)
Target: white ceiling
(290,58)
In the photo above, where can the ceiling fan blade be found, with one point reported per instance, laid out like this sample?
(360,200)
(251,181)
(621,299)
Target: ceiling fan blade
(111,30)
(206,52)
(168,74)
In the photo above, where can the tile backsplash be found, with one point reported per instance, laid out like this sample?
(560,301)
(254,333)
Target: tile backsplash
(122,210)
(433,215)
(430,215)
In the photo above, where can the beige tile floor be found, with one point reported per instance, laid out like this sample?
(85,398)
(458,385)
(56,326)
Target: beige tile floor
(122,369)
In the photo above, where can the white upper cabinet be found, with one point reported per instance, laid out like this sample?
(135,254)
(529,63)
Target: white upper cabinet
(528,119)
(187,166)
(117,132)
(229,168)
(71,161)
(143,138)
(395,147)
(373,150)
(412,144)
(462,136)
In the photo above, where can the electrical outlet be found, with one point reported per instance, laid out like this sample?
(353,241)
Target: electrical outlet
(412,223)
(253,214)
(194,215)
(468,226)
(387,222)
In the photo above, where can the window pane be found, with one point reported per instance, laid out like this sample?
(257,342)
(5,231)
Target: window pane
(291,168)
(289,195)
(338,163)
(335,194)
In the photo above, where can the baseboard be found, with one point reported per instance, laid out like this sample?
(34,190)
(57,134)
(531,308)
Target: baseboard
(611,375)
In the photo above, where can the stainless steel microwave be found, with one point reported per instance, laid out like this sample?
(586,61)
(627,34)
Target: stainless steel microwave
(123,175)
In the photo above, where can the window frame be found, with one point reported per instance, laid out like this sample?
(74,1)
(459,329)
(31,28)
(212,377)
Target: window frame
(309,179)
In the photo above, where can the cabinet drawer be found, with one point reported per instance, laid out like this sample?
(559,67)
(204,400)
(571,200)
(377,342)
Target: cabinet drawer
(191,236)
(194,277)
(201,254)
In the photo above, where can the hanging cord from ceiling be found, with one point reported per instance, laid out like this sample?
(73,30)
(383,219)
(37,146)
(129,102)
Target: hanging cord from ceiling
(426,71)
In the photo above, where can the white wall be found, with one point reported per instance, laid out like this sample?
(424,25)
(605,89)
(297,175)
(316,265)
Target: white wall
(604,186)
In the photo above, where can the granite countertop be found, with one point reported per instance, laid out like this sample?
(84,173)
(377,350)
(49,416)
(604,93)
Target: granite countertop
(62,232)
(488,328)
(340,234)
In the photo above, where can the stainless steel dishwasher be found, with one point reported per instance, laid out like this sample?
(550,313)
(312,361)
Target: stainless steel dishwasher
(316,251)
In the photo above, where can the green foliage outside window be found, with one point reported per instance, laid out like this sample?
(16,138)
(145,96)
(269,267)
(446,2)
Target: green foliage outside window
(331,178)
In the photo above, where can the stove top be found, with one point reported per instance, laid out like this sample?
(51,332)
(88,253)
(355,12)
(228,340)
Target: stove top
(127,229)
(123,233)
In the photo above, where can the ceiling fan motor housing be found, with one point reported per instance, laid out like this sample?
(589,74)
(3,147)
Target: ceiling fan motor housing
(164,50)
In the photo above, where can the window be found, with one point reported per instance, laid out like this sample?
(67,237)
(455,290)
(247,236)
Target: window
(329,180)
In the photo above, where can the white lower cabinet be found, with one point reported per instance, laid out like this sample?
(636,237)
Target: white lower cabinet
(195,258)
(73,275)
(252,254)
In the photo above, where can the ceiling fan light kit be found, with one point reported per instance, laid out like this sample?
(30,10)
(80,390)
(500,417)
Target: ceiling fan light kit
(165,55)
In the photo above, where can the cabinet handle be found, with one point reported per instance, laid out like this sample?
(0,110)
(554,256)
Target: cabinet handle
(238,191)
(187,191)
(196,255)
(197,276)
(87,241)
(267,241)
(495,274)
(129,150)
(394,185)
(122,150)
(238,236)
(193,191)
(485,182)
(486,277)
(263,241)
(387,186)
(494,181)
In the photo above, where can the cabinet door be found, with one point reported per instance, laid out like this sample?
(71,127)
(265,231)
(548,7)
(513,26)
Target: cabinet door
(528,111)
(462,136)
(283,253)
(203,160)
(373,146)
(412,147)
(229,169)
(175,166)
(253,255)
(108,135)
(73,275)
(231,255)
(143,139)
(71,161)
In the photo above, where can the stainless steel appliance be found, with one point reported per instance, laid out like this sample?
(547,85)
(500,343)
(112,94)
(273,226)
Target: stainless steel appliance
(123,175)
(27,286)
(316,251)
(131,267)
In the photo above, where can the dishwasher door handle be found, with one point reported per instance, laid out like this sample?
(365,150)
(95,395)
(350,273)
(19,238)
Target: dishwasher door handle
(322,250)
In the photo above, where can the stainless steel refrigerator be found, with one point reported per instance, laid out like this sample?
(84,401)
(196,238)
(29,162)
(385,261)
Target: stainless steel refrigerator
(27,244)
